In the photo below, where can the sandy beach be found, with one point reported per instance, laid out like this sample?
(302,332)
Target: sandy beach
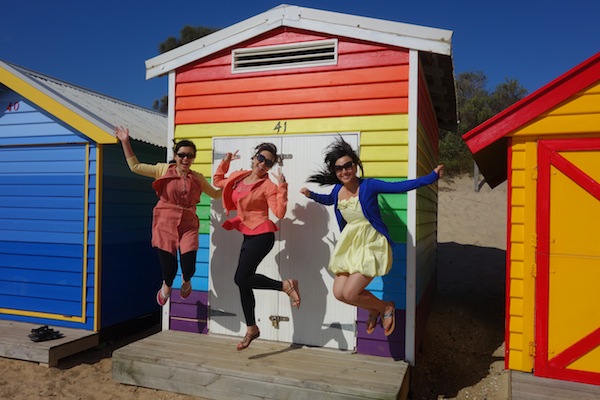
(462,354)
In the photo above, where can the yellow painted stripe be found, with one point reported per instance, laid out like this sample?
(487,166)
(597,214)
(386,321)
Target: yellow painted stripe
(383,142)
(86,200)
(54,107)
(98,244)
(57,317)
(293,127)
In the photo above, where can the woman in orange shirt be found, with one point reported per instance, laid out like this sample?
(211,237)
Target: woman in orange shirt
(252,194)
(175,223)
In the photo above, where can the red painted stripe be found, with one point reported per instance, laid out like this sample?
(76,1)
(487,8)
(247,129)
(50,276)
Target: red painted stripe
(577,350)
(577,175)
(305,79)
(542,259)
(532,106)
(324,94)
(345,61)
(508,252)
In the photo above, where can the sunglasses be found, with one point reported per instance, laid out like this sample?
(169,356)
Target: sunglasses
(347,166)
(260,158)
(186,155)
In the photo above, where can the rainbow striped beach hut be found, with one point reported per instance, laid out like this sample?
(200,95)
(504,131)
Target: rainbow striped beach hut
(299,77)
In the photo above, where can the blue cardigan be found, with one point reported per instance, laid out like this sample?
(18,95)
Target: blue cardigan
(367,195)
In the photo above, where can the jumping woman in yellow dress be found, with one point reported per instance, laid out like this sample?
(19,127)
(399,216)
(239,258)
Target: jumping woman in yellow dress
(363,250)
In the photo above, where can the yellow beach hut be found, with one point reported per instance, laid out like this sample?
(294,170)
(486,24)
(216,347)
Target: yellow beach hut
(299,77)
(548,147)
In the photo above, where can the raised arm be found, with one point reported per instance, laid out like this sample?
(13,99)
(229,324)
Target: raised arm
(123,135)
(151,171)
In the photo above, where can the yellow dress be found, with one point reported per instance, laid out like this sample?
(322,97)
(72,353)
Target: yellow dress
(360,248)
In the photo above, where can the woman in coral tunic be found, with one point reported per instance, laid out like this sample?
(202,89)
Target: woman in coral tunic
(363,250)
(175,223)
(252,194)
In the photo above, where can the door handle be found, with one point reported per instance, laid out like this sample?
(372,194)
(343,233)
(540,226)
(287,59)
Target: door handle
(275,319)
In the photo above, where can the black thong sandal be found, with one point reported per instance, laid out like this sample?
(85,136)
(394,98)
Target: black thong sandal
(48,334)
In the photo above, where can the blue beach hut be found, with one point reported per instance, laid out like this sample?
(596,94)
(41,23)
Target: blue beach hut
(74,221)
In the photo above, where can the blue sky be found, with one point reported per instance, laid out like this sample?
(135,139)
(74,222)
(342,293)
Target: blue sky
(103,46)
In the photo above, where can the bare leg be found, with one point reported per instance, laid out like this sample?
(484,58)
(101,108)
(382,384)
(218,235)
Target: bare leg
(351,290)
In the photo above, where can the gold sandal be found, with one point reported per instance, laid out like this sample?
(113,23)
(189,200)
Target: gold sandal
(248,338)
(293,287)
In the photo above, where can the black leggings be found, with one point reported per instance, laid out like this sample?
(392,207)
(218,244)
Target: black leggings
(254,249)
(168,264)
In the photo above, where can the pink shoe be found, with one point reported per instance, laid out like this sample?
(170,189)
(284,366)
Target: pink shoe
(160,298)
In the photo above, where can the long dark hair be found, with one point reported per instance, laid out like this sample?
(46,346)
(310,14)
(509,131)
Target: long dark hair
(179,145)
(335,151)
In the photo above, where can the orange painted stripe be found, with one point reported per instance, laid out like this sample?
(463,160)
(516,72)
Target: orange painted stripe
(294,96)
(280,112)
(295,81)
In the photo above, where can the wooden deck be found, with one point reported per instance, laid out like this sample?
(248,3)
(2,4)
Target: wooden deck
(524,386)
(14,343)
(209,366)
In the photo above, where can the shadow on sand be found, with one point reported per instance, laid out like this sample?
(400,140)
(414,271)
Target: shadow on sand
(466,325)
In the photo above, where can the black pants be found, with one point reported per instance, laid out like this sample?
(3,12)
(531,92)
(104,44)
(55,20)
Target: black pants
(168,264)
(254,249)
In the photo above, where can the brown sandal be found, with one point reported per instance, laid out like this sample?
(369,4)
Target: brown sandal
(372,323)
(186,289)
(293,287)
(387,316)
(248,338)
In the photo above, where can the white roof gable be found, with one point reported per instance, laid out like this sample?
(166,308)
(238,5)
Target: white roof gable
(102,111)
(370,29)
(434,46)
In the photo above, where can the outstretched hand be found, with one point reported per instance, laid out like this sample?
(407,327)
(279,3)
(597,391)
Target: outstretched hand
(122,133)
(439,170)
(305,192)
(231,156)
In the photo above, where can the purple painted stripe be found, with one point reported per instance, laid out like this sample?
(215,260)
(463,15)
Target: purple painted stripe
(393,350)
(195,306)
(188,326)
(377,343)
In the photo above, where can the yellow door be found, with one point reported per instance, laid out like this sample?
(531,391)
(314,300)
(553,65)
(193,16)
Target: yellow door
(568,258)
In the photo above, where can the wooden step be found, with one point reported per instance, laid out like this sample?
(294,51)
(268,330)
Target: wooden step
(210,366)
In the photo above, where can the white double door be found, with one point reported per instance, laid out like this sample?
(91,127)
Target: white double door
(303,245)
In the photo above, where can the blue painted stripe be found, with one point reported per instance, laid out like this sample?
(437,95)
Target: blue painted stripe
(41,249)
(43,305)
(39,214)
(42,202)
(18,262)
(42,226)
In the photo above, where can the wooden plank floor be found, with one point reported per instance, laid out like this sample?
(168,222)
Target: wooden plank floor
(14,343)
(209,366)
(524,386)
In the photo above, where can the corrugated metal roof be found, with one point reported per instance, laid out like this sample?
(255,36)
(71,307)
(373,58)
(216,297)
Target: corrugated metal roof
(433,44)
(103,111)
